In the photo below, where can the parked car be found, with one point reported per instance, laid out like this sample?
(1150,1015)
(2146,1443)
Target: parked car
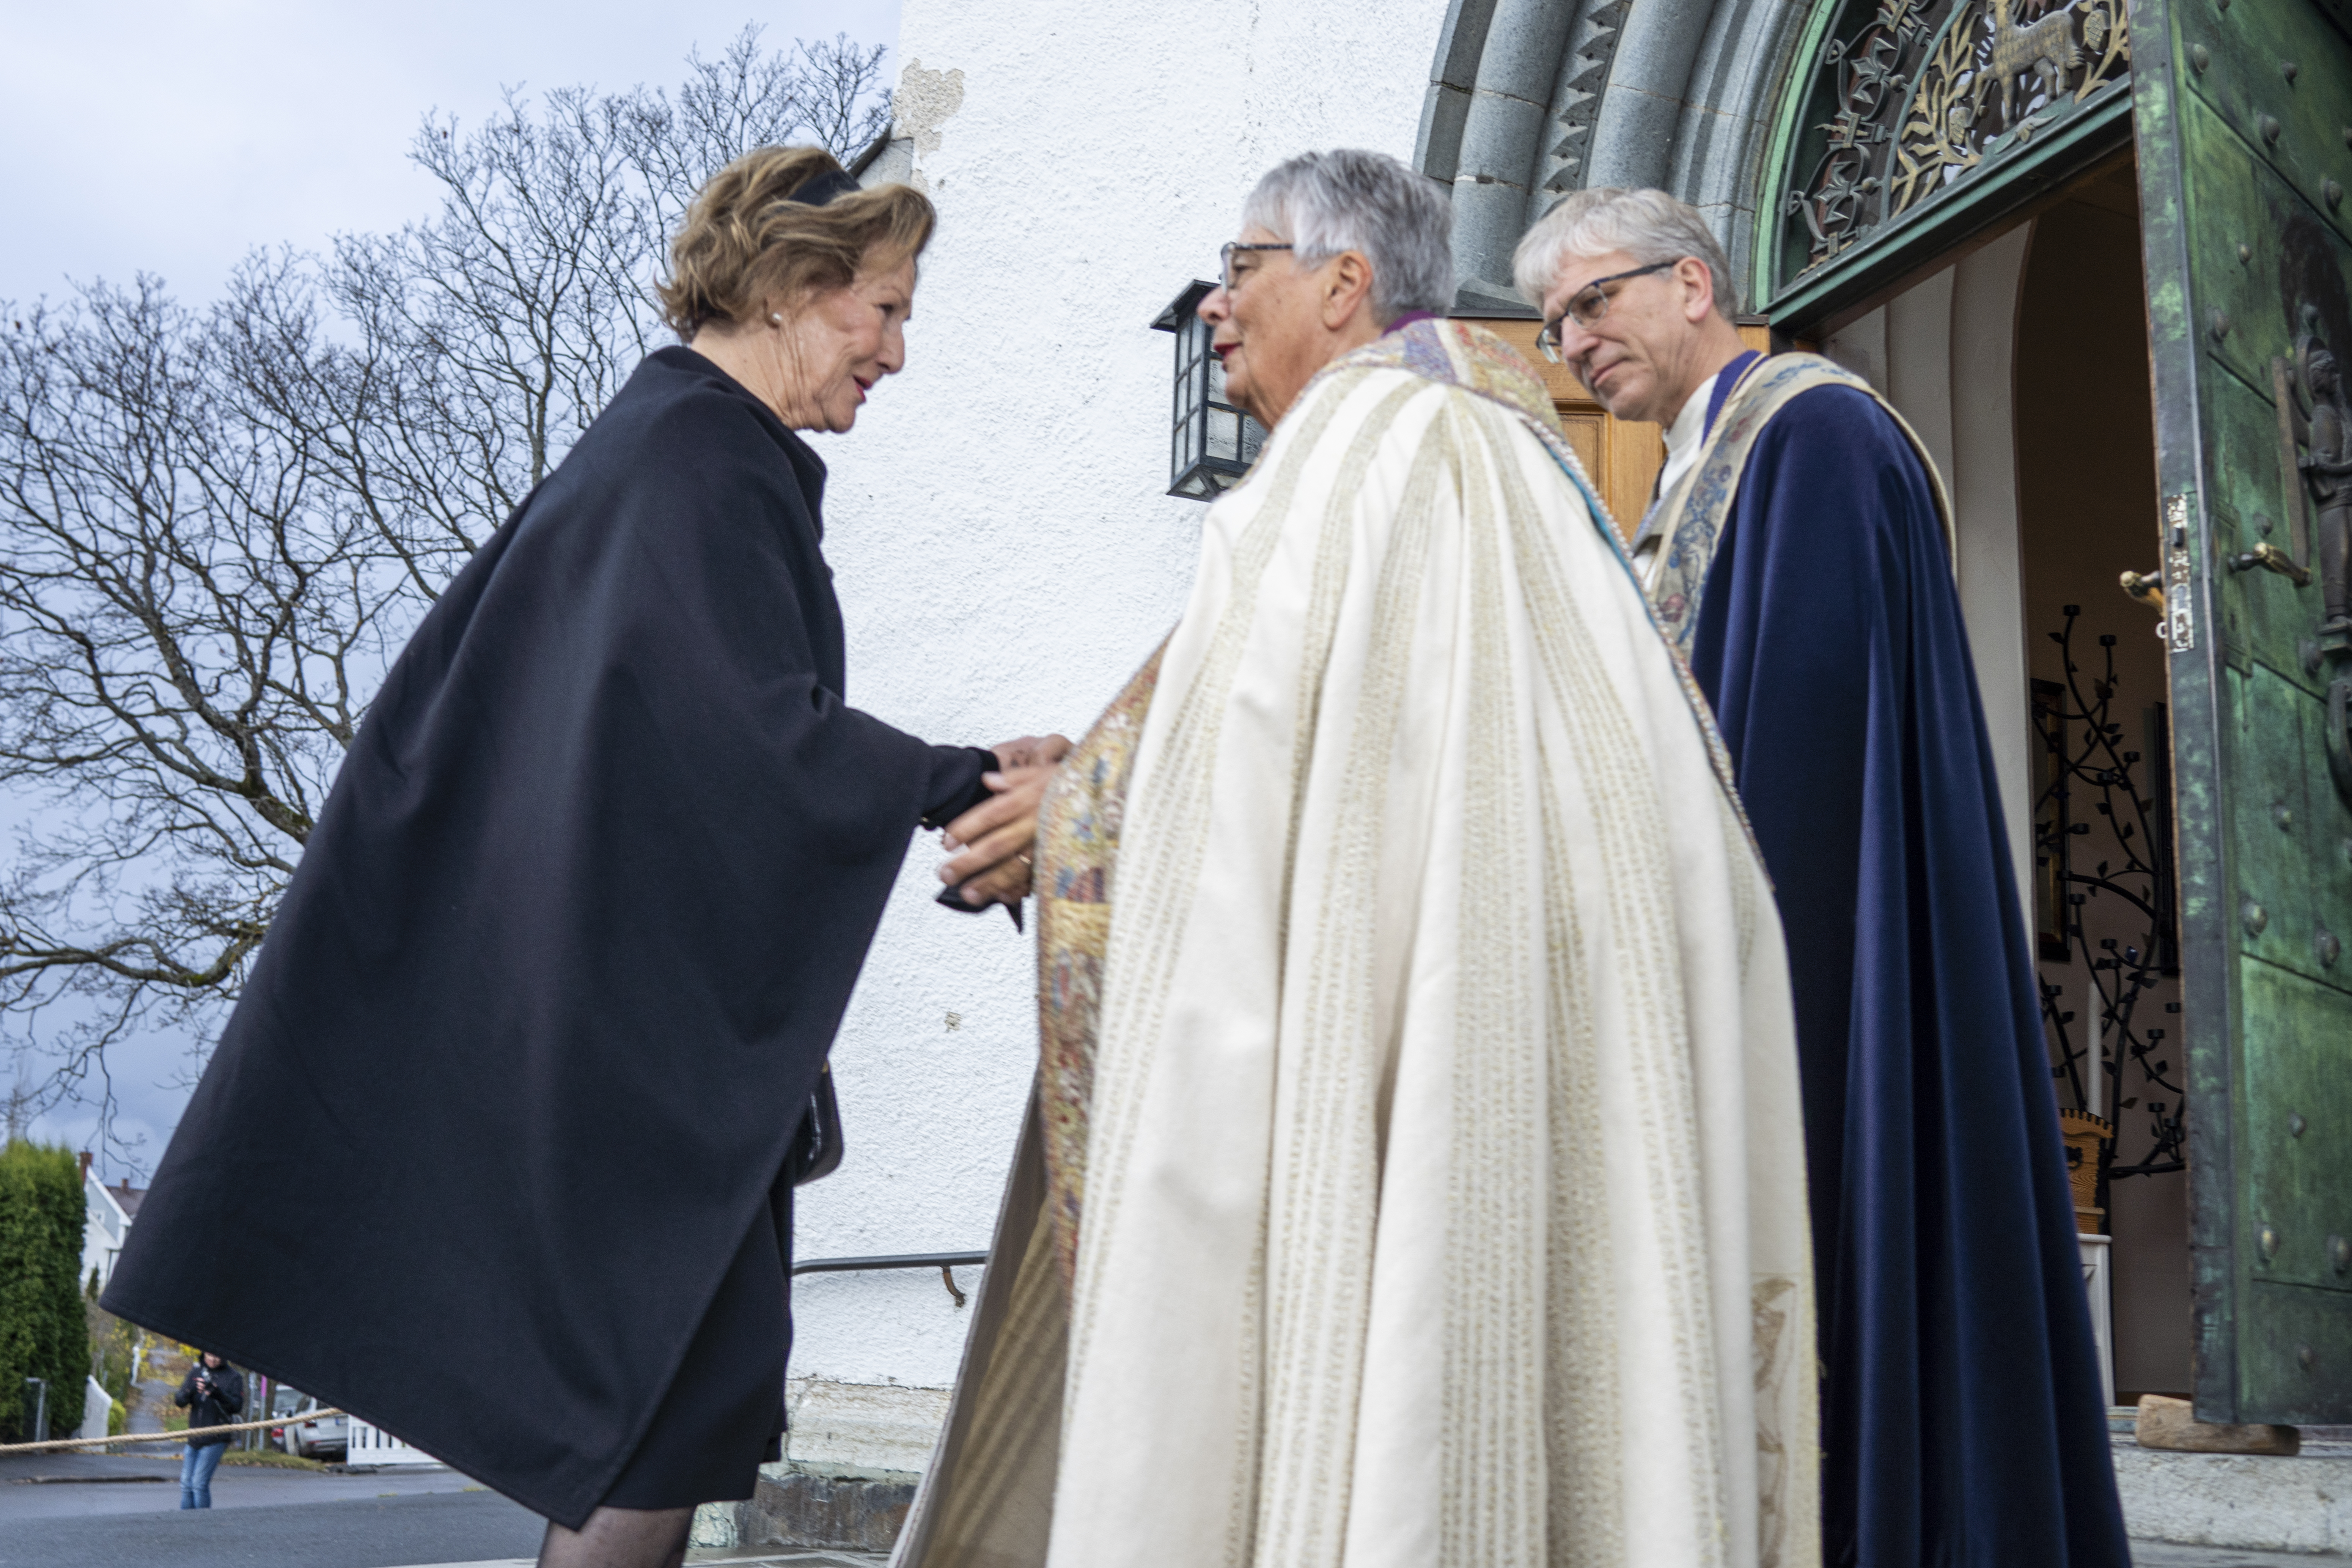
(307,1435)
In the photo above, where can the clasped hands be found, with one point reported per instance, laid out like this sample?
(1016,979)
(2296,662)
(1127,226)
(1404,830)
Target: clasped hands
(996,840)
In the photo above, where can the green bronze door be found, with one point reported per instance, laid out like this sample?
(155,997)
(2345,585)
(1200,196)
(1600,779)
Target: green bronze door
(2242,110)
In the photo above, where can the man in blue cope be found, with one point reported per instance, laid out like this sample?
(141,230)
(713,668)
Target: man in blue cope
(1799,553)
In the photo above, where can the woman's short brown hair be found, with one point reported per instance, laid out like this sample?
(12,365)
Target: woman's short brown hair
(745,239)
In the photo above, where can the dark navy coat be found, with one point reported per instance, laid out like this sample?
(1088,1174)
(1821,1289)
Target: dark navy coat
(1963,1421)
(542,1008)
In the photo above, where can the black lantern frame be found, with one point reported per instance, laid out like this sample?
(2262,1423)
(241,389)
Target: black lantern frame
(1211,443)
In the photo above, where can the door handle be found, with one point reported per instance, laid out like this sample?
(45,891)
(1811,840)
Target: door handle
(2277,560)
(2148,587)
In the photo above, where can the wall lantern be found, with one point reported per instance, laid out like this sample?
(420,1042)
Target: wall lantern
(1212,443)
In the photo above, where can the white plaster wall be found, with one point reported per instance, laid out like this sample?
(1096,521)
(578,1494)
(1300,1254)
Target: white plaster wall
(998,532)
(1940,352)
(1984,498)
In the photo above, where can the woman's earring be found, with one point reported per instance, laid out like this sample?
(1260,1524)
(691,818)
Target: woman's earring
(777,317)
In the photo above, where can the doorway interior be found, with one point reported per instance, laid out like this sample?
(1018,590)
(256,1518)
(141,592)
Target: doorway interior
(2023,365)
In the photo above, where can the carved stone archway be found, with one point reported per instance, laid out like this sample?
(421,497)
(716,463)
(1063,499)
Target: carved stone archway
(1529,100)
(1879,133)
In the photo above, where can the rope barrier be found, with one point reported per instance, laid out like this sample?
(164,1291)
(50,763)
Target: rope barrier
(57,1444)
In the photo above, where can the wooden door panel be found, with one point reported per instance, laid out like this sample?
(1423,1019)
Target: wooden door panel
(1622,457)
(1589,433)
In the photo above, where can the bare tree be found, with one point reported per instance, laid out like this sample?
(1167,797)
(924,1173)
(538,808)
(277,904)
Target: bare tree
(217,527)
(487,337)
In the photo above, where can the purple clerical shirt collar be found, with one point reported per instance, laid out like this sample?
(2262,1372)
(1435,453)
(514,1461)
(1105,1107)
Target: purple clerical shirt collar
(1408,319)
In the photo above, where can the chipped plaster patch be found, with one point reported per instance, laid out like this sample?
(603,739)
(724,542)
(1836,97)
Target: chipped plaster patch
(926,99)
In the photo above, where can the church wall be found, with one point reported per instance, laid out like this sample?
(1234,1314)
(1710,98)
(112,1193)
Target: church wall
(1984,484)
(1004,550)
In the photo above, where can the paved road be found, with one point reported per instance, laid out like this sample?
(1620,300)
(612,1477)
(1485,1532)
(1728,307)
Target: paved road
(57,1486)
(377,1532)
(109,1512)
(150,1398)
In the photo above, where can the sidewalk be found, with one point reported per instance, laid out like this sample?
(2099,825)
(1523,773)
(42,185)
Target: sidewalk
(368,1532)
(35,1487)
(790,1557)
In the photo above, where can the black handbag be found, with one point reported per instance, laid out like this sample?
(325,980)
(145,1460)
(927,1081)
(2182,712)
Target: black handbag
(816,1152)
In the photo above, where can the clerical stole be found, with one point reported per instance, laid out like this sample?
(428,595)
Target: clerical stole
(988,1493)
(1693,514)
(1414,1175)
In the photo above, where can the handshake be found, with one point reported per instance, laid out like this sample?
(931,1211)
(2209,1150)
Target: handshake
(996,841)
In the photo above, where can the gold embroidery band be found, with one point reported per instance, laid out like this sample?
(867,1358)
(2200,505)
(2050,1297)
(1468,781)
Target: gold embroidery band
(1692,515)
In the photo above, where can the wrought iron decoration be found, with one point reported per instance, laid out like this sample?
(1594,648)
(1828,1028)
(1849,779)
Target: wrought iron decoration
(2086,764)
(1929,90)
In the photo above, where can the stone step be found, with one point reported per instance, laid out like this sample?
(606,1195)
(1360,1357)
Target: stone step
(851,1510)
(850,1480)
(2246,1502)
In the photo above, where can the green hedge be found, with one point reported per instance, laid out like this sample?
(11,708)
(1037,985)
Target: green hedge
(43,1330)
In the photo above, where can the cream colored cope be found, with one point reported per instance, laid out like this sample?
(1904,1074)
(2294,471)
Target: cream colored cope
(1444,1194)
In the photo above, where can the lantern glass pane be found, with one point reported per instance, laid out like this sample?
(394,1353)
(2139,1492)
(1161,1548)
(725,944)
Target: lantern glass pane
(1252,437)
(1202,460)
(1224,433)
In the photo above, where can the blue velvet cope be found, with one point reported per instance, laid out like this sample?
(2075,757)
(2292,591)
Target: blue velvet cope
(1962,1415)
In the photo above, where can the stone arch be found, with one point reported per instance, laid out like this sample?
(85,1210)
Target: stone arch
(1529,100)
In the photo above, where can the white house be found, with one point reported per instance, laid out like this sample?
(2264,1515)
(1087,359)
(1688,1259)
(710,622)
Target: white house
(110,1211)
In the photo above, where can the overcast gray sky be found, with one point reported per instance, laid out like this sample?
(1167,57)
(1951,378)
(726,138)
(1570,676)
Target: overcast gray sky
(174,136)
(171,137)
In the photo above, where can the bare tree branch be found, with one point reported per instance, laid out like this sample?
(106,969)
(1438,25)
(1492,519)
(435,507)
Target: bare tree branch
(217,527)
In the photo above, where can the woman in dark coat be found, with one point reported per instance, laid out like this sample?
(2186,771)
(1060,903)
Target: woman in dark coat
(552,988)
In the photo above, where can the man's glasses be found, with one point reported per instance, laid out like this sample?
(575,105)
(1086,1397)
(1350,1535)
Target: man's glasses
(1225,260)
(1589,304)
